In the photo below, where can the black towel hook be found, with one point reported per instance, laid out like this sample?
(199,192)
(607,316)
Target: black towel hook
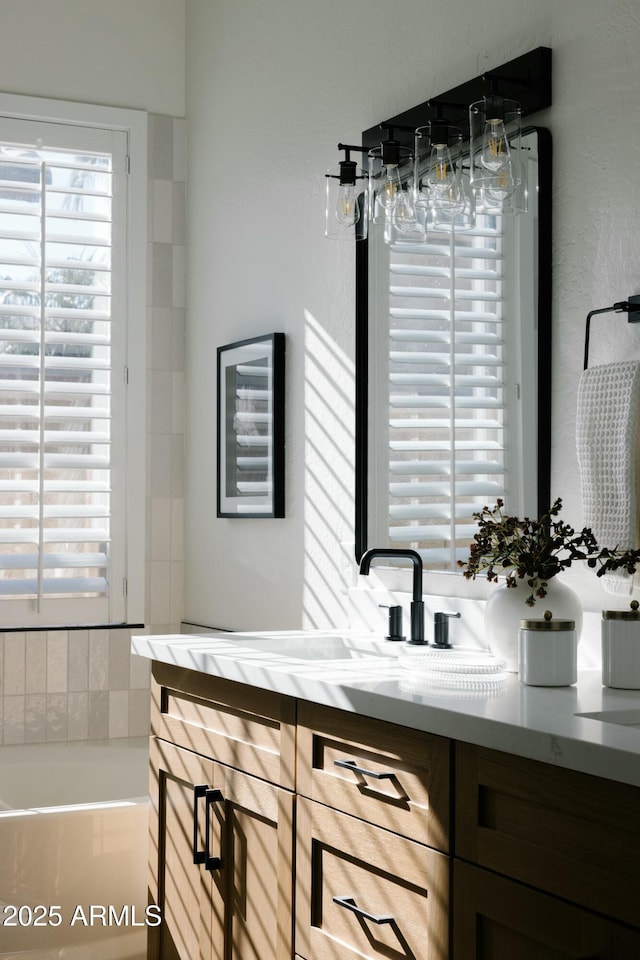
(630,306)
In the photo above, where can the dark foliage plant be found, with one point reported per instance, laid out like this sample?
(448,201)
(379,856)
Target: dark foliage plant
(535,551)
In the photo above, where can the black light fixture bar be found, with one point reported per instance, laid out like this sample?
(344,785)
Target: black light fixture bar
(526,79)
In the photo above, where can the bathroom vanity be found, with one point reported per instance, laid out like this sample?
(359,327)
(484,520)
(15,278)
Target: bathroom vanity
(311,799)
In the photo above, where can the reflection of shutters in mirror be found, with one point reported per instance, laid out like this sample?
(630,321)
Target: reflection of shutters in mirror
(60,459)
(447,397)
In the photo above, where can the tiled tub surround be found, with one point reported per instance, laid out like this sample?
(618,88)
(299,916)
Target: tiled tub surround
(83,684)
(71,685)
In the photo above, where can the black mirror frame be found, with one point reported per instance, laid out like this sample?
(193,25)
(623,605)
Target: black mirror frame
(543,439)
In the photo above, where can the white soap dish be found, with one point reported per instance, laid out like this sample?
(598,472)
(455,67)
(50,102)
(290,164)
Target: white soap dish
(452,667)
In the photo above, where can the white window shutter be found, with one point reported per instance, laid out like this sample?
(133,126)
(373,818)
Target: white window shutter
(57,377)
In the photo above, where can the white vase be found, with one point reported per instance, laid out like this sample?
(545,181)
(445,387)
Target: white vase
(506,607)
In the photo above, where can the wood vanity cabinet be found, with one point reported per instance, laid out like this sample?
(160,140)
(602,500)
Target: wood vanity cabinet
(542,863)
(373,807)
(235,902)
(547,861)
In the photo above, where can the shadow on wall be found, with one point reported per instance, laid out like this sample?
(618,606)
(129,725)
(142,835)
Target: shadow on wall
(329,428)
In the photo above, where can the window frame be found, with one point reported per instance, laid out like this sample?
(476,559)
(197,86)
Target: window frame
(125,603)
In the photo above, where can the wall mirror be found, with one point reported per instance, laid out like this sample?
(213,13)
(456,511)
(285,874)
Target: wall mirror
(453,360)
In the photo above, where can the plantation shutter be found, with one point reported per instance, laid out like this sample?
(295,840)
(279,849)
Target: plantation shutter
(446,390)
(61,224)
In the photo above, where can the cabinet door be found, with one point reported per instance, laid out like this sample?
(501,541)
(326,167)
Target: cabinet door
(496,918)
(190,894)
(365,892)
(258,845)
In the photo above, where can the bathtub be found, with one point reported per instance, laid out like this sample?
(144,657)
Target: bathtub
(73,851)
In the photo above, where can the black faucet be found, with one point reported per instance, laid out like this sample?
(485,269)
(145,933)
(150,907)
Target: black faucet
(417,605)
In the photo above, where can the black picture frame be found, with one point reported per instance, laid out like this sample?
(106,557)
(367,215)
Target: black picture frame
(250,424)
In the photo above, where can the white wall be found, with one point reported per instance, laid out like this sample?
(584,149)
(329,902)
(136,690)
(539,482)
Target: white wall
(125,53)
(271,89)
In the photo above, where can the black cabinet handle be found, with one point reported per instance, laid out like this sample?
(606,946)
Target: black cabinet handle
(211,863)
(352,765)
(199,791)
(349,903)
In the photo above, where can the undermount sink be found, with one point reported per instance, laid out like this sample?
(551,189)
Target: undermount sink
(303,646)
(625,718)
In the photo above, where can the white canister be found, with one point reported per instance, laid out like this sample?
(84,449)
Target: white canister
(548,652)
(621,648)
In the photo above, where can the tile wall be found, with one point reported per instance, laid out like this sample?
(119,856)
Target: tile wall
(84,684)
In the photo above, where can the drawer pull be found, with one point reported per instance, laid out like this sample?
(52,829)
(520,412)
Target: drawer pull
(211,863)
(349,903)
(352,765)
(199,791)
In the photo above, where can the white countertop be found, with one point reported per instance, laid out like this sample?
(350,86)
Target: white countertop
(540,723)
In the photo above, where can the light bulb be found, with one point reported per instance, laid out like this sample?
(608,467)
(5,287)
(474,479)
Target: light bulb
(404,217)
(496,153)
(347,206)
(390,187)
(442,177)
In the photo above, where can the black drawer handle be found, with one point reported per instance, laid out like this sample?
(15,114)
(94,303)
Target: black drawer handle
(352,765)
(199,791)
(211,863)
(349,903)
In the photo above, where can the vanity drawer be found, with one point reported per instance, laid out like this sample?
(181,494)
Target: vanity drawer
(238,725)
(389,775)
(574,835)
(364,892)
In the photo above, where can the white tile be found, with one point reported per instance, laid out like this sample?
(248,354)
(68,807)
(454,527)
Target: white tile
(35,718)
(78,716)
(13,720)
(179,284)
(98,659)
(161,401)
(178,339)
(118,713)
(177,467)
(14,663)
(57,661)
(162,211)
(56,716)
(36,662)
(139,673)
(160,609)
(98,714)
(161,338)
(179,149)
(177,402)
(78,660)
(161,528)
(178,206)
(119,658)
(160,480)
(139,713)
(177,592)
(177,529)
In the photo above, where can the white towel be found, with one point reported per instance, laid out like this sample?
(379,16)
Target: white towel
(608,443)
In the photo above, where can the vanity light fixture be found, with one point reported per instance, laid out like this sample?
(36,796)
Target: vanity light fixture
(429,173)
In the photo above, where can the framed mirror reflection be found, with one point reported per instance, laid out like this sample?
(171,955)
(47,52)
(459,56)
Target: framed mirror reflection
(453,365)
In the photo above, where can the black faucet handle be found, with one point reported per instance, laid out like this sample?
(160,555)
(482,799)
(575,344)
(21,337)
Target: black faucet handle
(441,629)
(395,622)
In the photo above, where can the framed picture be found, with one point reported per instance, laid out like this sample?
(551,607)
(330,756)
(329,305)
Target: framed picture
(251,427)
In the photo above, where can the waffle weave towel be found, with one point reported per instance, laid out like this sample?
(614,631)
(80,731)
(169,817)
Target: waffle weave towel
(608,444)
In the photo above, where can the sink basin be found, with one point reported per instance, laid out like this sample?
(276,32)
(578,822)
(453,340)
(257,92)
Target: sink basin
(625,718)
(305,647)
